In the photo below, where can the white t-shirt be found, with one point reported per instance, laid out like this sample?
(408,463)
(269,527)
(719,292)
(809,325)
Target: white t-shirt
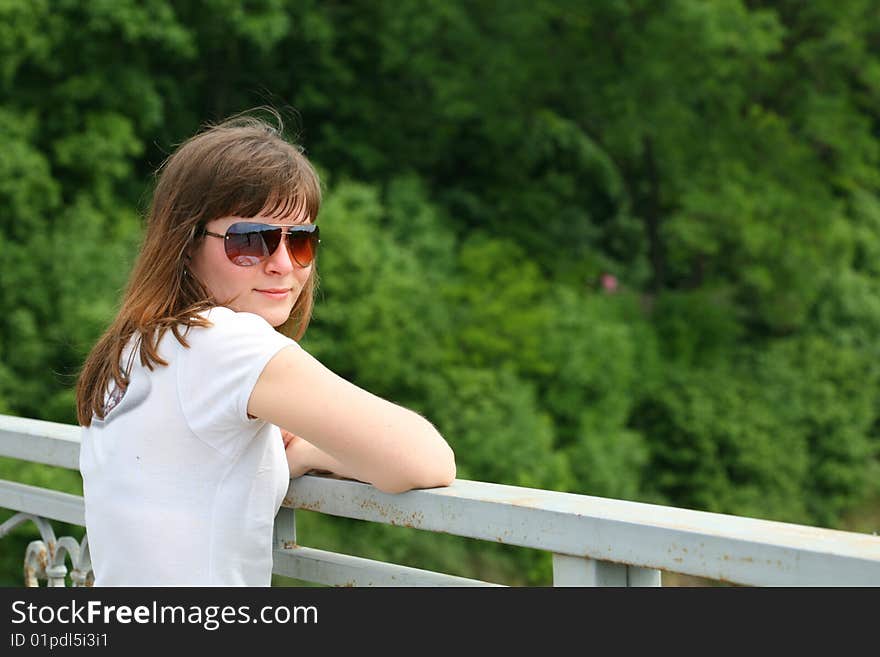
(180,487)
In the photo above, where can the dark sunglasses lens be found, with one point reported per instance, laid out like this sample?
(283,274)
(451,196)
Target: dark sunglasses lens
(303,247)
(249,244)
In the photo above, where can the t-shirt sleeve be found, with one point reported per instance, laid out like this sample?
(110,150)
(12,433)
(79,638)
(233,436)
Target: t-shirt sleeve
(218,372)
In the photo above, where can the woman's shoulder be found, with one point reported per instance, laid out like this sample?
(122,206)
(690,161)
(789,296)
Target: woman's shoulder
(221,364)
(227,326)
(228,319)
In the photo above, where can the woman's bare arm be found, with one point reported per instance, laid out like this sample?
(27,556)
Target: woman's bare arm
(379,442)
(303,457)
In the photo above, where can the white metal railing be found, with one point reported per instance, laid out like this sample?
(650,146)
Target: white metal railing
(594,541)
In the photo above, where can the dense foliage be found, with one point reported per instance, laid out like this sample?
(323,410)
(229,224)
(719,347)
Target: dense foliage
(626,249)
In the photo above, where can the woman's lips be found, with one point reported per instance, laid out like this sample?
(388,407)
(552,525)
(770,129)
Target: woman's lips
(275,295)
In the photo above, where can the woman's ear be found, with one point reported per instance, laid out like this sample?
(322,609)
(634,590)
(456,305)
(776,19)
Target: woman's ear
(190,246)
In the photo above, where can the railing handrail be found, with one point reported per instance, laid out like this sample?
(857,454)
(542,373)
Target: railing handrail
(713,545)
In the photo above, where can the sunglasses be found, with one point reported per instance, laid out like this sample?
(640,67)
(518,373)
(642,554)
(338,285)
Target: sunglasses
(249,243)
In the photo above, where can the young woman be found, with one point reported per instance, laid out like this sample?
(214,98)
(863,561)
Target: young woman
(198,404)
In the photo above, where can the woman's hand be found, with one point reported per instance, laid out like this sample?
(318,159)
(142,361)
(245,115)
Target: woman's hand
(303,457)
(298,453)
(288,437)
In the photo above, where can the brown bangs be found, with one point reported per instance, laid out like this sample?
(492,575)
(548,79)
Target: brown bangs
(273,180)
(301,201)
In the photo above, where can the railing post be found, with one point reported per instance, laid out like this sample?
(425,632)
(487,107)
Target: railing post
(582,571)
(285,529)
(55,575)
(636,576)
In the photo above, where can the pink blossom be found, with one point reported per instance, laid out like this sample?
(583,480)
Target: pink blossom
(609,283)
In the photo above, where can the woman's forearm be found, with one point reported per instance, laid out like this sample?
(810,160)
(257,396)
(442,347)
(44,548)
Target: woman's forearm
(317,459)
(304,457)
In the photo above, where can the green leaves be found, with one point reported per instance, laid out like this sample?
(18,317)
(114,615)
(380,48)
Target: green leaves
(492,421)
(22,37)
(100,155)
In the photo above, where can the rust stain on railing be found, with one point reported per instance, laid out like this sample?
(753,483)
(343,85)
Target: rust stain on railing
(43,559)
(30,576)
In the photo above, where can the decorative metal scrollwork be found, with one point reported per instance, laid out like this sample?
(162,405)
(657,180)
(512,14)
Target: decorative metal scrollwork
(45,559)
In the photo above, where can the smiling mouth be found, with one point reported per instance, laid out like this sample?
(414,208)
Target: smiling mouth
(278,294)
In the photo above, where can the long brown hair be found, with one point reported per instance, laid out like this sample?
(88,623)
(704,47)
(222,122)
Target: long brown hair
(240,167)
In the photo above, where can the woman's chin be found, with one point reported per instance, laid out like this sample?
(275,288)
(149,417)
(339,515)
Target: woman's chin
(273,311)
(276,317)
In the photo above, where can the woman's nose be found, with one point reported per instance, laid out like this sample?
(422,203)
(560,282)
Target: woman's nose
(282,260)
